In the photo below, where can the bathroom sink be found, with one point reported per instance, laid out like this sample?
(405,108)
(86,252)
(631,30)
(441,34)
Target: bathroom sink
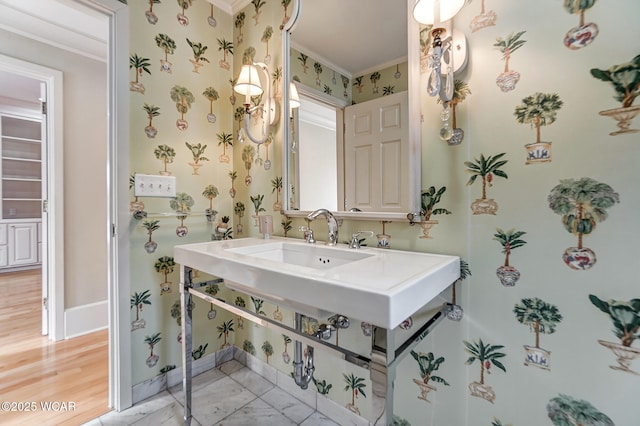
(379,286)
(308,255)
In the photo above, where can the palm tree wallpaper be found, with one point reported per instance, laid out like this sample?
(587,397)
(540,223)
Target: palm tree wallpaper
(486,168)
(583,203)
(508,79)
(537,110)
(541,317)
(487,356)
(509,240)
(592,178)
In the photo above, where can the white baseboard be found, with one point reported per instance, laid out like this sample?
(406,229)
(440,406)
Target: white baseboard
(86,319)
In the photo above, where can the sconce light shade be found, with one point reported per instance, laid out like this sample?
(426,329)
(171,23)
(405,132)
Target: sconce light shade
(294,98)
(248,81)
(432,11)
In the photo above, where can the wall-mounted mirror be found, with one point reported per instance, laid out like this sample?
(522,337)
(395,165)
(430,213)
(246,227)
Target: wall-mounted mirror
(343,53)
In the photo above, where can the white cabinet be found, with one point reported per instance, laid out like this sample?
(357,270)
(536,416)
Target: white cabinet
(4,250)
(22,243)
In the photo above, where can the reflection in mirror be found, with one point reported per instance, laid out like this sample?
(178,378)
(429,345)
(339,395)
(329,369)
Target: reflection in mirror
(312,43)
(315,156)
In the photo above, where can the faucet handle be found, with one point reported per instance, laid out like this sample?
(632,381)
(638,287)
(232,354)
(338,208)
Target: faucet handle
(355,239)
(308,234)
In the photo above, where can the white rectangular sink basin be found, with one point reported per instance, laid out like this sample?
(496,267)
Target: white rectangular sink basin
(380,286)
(308,255)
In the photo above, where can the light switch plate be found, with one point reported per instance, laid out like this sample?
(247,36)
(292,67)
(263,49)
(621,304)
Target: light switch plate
(154,186)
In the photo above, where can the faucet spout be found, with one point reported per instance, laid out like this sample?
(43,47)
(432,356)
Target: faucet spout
(332,223)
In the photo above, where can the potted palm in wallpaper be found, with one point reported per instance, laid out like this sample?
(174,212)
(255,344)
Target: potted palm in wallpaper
(625,79)
(428,364)
(583,203)
(485,168)
(541,317)
(625,317)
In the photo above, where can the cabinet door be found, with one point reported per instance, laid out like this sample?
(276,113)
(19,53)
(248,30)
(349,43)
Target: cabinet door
(23,244)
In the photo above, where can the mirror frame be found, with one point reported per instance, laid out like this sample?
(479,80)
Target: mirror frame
(415,140)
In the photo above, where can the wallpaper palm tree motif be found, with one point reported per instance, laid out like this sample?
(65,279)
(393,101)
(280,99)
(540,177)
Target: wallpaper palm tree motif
(166,154)
(267,349)
(183,99)
(484,19)
(239,23)
(151,17)
(509,240)
(582,35)
(428,364)
(212,95)
(151,225)
(138,300)
(564,410)
(356,385)
(486,168)
(199,351)
(168,46)
(227,49)
(541,317)
(266,36)
(538,110)
(198,55)
(182,204)
(182,17)
(197,151)
(582,203)
(165,265)
(224,330)
(139,65)
(508,79)
(152,341)
(625,316)
(257,5)
(625,79)
(487,355)
(152,111)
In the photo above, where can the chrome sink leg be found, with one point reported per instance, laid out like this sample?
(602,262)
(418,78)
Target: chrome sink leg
(186,283)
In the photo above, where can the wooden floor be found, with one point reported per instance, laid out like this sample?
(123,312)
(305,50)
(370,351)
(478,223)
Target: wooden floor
(61,383)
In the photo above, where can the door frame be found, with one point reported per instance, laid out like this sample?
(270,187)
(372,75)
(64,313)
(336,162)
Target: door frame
(117,227)
(53,223)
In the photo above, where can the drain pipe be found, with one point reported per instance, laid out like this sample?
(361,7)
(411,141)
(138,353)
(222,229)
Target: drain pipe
(301,379)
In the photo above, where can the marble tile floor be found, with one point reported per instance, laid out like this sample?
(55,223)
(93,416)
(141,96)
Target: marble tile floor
(228,395)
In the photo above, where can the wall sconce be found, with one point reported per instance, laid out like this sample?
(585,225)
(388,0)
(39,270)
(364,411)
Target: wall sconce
(446,46)
(248,84)
(294,102)
(294,98)
(432,11)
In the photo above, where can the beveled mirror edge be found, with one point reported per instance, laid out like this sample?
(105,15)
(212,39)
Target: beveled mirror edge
(414,179)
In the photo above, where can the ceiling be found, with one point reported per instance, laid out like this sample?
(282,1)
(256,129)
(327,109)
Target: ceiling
(65,24)
(355,38)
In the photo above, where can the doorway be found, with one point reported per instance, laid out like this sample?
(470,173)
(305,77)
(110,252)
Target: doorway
(27,181)
(87,212)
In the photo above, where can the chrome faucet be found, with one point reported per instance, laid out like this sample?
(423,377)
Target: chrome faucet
(332,239)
